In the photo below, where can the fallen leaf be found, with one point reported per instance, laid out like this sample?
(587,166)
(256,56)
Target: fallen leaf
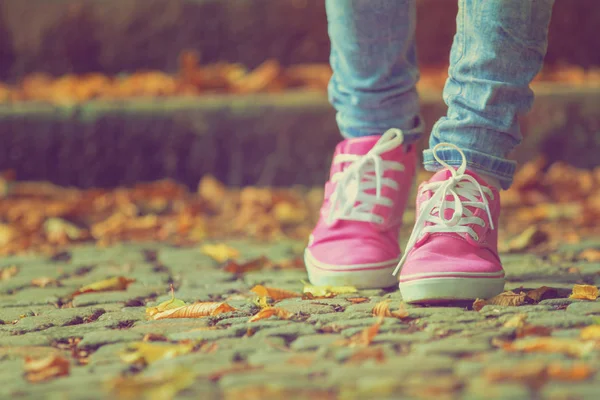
(147,353)
(533,330)
(51,366)
(197,310)
(220,252)
(529,238)
(382,309)
(571,373)
(163,385)
(165,305)
(8,272)
(584,292)
(542,293)
(59,231)
(357,300)
(269,312)
(288,213)
(566,346)
(591,332)
(478,304)
(7,234)
(327,291)
(117,283)
(364,337)
(154,337)
(241,268)
(275,294)
(235,368)
(591,255)
(365,354)
(508,298)
(516,321)
(531,373)
(44,281)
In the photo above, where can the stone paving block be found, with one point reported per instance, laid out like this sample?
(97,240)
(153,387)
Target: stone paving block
(561,320)
(195,277)
(263,324)
(277,277)
(10,314)
(305,307)
(568,391)
(108,354)
(402,338)
(118,253)
(167,326)
(313,342)
(289,332)
(320,320)
(93,340)
(135,294)
(480,389)
(184,259)
(585,308)
(497,311)
(28,339)
(208,334)
(559,303)
(34,296)
(453,346)
(56,317)
(247,346)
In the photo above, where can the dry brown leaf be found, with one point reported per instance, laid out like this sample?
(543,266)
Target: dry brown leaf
(147,352)
(52,366)
(220,252)
(364,337)
(478,304)
(542,293)
(532,373)
(591,255)
(8,272)
(566,346)
(197,310)
(275,294)
(509,299)
(269,312)
(357,300)
(382,309)
(369,353)
(591,332)
(44,281)
(241,268)
(584,292)
(116,283)
(154,337)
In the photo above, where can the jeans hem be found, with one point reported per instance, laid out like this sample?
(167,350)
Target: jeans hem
(481,163)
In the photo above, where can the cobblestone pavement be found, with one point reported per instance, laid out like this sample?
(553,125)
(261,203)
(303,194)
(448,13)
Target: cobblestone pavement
(437,352)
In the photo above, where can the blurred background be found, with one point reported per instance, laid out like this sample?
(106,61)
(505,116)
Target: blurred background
(113,92)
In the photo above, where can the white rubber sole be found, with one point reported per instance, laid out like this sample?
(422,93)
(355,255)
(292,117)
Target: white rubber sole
(364,276)
(451,289)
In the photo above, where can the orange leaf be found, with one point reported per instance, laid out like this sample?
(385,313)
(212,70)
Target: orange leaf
(197,310)
(269,312)
(591,255)
(117,283)
(572,373)
(362,355)
(46,368)
(364,337)
(478,304)
(382,309)
(357,300)
(275,294)
(584,292)
(542,293)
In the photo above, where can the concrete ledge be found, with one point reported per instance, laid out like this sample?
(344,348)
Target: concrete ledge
(264,139)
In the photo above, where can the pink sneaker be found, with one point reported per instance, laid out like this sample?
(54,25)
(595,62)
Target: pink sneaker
(355,241)
(452,253)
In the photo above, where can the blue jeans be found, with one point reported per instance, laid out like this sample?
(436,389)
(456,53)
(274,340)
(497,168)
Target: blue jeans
(498,48)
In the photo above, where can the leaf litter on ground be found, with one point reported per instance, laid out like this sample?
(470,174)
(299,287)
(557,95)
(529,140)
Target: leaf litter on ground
(111,284)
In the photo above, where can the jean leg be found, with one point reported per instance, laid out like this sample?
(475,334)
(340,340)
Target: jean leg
(498,49)
(373,57)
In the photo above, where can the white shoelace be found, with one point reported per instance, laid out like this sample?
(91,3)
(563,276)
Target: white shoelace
(365,173)
(458,185)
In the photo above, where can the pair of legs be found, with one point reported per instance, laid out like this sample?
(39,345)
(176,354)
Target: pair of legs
(498,48)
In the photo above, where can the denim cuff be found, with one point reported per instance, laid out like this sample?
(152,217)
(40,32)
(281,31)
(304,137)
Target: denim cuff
(500,168)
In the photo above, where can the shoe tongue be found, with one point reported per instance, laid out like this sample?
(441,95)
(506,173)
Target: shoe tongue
(445,174)
(357,146)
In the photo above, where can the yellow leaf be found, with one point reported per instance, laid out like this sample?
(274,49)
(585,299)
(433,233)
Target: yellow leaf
(57,229)
(8,272)
(163,385)
(240,268)
(148,352)
(117,283)
(275,294)
(570,347)
(165,305)
(44,281)
(220,252)
(591,332)
(261,302)
(51,366)
(584,292)
(287,213)
(530,237)
(516,321)
(7,234)
(382,309)
(327,291)
(269,312)
(591,255)
(197,310)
